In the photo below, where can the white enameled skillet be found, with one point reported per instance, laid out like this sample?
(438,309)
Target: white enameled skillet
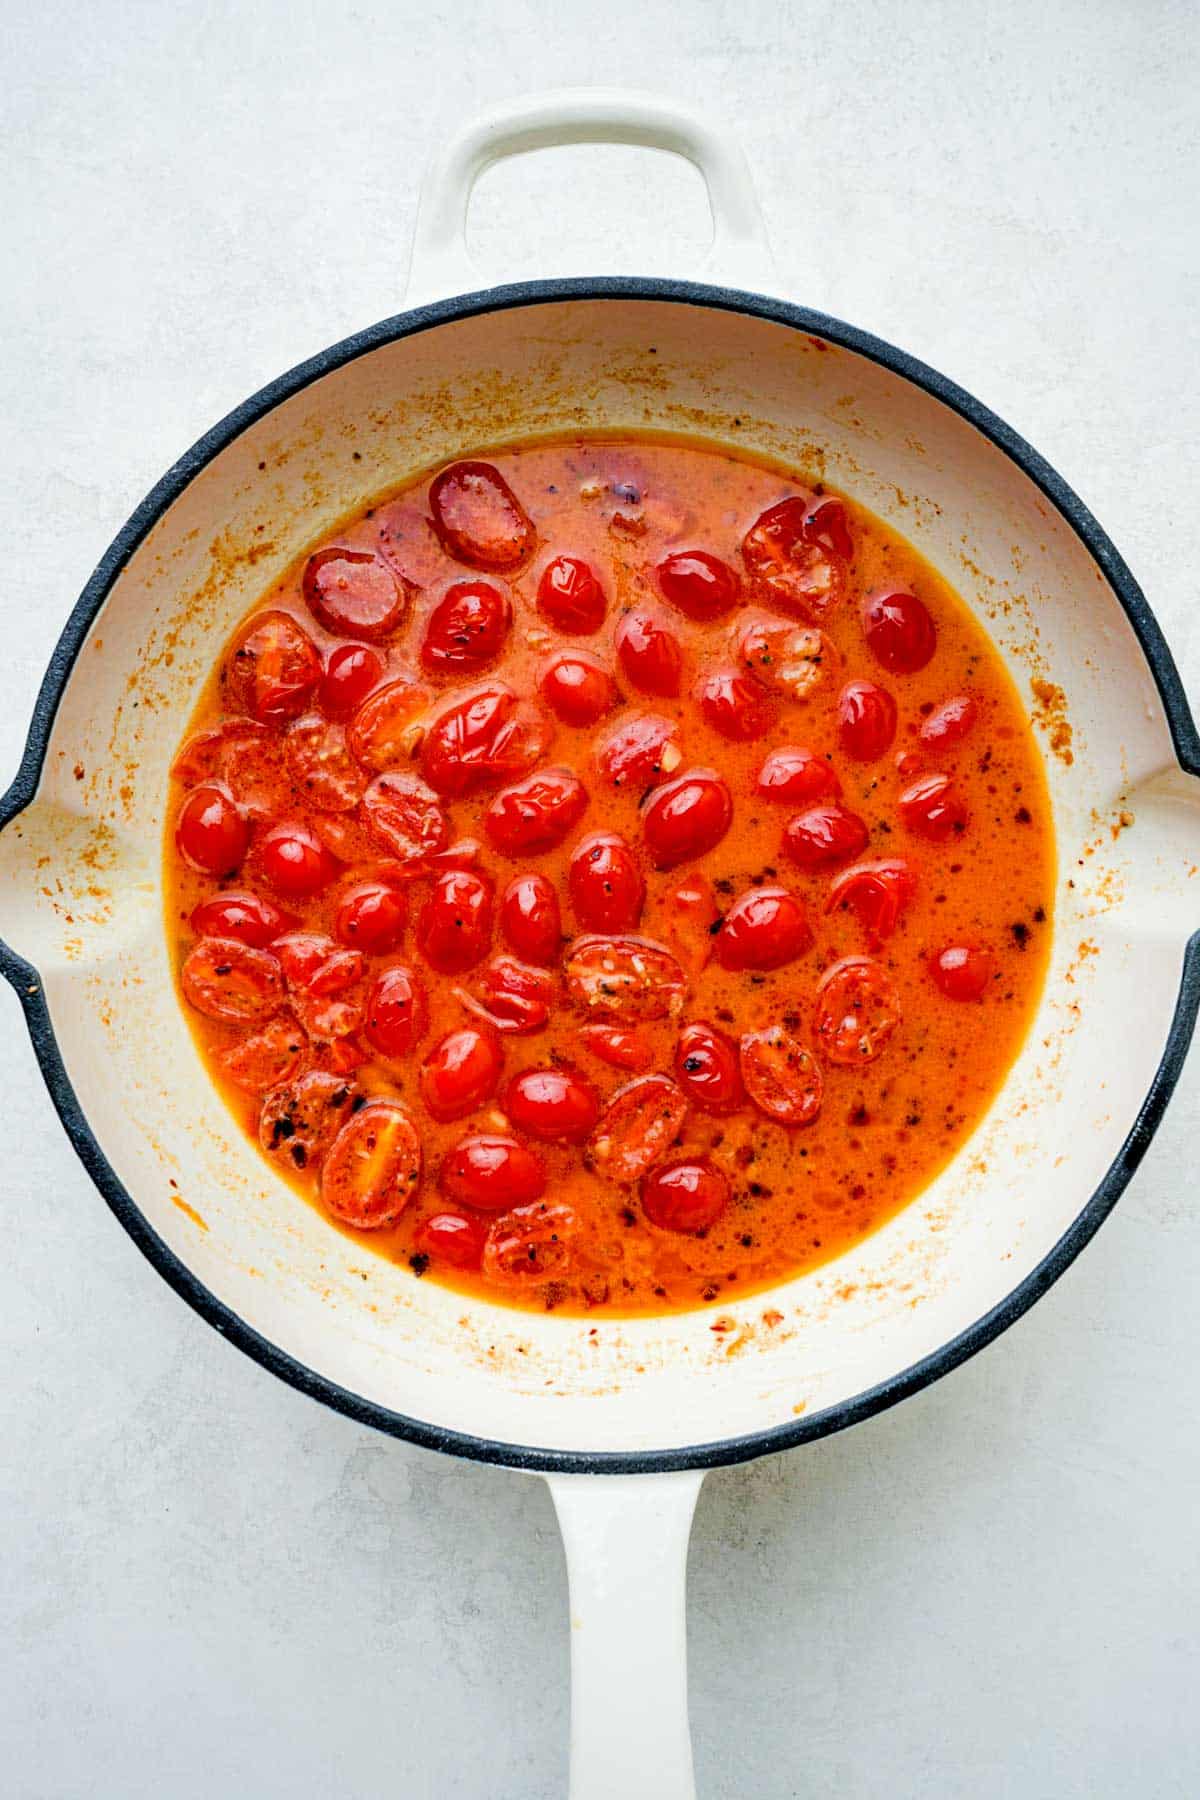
(622,1421)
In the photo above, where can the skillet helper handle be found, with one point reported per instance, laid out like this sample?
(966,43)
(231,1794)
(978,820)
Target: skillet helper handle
(441,265)
(626,1539)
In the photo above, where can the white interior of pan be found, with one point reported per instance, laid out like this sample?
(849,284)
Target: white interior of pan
(79,879)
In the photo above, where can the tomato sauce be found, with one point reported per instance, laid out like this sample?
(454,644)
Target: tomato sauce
(610,876)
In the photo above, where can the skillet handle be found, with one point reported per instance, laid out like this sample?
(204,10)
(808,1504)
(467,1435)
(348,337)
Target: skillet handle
(626,1539)
(739,257)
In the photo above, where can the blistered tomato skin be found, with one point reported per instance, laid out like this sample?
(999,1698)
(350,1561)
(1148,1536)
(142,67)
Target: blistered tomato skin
(531,918)
(649,655)
(877,892)
(274,668)
(454,928)
(354,594)
(689,1195)
(735,705)
(245,916)
(552,1105)
(490,1172)
(320,764)
(795,572)
(478,518)
(536,814)
(578,688)
(397,1013)
(406,818)
(481,740)
(824,834)
(619,1048)
(460,1072)
(570,597)
(371,916)
(931,809)
(825,524)
(605,884)
(295,861)
(900,634)
(794,776)
(706,1068)
(211,832)
(452,1238)
(962,971)
(698,584)
(530,1244)
(686,817)
(642,750)
(637,1126)
(352,671)
(950,722)
(866,720)
(765,928)
(467,629)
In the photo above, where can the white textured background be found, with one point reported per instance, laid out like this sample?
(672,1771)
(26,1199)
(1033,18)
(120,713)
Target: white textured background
(211,1588)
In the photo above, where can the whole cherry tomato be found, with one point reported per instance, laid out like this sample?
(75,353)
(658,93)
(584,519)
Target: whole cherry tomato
(866,720)
(962,971)
(454,927)
(536,814)
(244,916)
(452,1238)
(795,776)
(511,996)
(531,919)
(605,884)
(491,1172)
(931,809)
(706,1068)
(274,668)
(351,672)
(649,654)
(482,739)
(698,584)
(460,1072)
(554,1105)
(578,688)
(397,1013)
(478,518)
(826,833)
(354,593)
(899,631)
(370,916)
(765,928)
(735,705)
(950,722)
(686,817)
(294,859)
(467,629)
(689,1195)
(211,833)
(570,597)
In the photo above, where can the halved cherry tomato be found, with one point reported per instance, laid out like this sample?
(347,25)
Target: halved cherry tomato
(686,817)
(689,1195)
(387,727)
(578,688)
(765,928)
(877,892)
(650,654)
(794,776)
(320,764)
(950,722)
(792,660)
(825,524)
(406,817)
(735,705)
(618,1048)
(460,1072)
(397,1014)
(467,629)
(706,1067)
(554,1105)
(354,593)
(478,518)
(482,739)
(782,1076)
(631,979)
(606,886)
(490,1172)
(962,971)
(452,1238)
(212,754)
(688,914)
(312,961)
(530,1243)
(570,596)
(244,916)
(932,809)
(454,928)
(274,668)
(536,814)
(530,918)
(866,720)
(826,833)
(351,672)
(796,572)
(858,1009)
(638,1125)
(294,859)
(699,584)
(211,833)
(225,979)
(261,1061)
(373,1167)
(370,916)
(641,750)
(301,1118)
(510,996)
(899,631)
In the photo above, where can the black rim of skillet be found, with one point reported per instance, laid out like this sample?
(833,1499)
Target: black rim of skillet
(25,979)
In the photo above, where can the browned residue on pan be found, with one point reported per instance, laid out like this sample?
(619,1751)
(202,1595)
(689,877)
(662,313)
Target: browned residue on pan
(1050,713)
